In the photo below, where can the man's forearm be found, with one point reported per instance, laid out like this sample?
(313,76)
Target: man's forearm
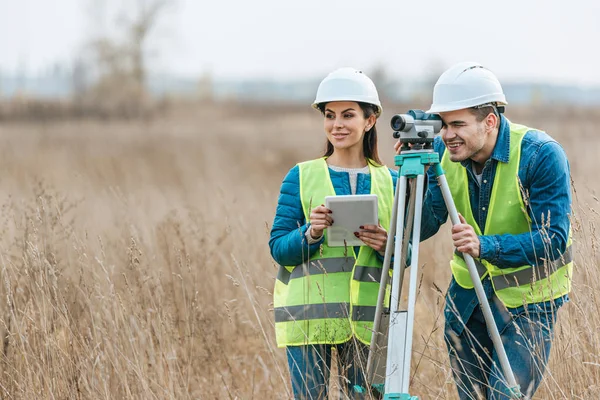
(530,248)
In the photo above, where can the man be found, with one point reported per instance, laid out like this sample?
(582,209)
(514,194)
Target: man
(511,187)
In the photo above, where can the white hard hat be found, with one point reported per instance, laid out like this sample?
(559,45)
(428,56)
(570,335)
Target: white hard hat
(466,85)
(347,84)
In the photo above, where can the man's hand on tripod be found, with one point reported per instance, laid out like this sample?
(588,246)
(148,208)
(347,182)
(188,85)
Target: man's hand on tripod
(374,236)
(465,239)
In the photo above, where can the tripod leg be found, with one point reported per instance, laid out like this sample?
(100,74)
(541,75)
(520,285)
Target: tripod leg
(382,286)
(401,322)
(410,217)
(408,226)
(396,225)
(484,304)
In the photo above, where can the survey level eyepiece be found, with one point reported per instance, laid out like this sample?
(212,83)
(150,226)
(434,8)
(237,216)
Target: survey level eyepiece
(416,126)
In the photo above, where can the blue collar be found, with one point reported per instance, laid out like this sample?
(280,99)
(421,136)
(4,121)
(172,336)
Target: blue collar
(502,148)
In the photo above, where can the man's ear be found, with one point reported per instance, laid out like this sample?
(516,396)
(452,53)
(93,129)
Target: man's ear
(491,121)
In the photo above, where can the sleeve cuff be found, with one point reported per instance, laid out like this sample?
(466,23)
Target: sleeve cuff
(309,239)
(489,248)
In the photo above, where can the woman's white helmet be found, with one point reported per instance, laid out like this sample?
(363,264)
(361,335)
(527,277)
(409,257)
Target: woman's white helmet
(347,84)
(466,85)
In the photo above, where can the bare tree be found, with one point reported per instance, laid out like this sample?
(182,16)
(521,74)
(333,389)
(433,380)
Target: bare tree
(140,28)
(119,59)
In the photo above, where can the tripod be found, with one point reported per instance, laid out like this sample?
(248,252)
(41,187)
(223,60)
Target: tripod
(393,348)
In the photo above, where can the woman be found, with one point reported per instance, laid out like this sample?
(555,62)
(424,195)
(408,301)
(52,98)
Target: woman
(325,296)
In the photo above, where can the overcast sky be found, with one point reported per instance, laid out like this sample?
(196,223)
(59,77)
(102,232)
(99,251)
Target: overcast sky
(555,41)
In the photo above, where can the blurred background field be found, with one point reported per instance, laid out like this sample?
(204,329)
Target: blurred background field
(135,261)
(136,196)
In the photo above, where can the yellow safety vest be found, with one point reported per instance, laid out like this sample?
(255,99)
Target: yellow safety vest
(507,215)
(333,296)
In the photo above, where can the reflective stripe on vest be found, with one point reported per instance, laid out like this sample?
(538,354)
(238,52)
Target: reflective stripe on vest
(323,310)
(333,296)
(317,267)
(331,266)
(507,215)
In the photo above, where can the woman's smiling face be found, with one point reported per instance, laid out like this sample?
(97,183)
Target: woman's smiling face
(345,124)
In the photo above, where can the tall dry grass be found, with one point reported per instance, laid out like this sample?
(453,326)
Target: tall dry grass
(134,259)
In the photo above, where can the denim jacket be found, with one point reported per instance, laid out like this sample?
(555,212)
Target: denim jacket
(545,178)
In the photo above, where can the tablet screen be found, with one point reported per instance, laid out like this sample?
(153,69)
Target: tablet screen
(349,213)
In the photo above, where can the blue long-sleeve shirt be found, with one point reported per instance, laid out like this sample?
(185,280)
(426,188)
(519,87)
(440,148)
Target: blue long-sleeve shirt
(545,179)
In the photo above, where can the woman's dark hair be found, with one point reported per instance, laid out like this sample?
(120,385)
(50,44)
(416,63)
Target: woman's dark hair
(369,139)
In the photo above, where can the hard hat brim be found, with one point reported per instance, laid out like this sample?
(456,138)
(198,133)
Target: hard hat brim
(436,109)
(378,107)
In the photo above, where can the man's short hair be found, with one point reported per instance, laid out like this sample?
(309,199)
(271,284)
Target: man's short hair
(482,111)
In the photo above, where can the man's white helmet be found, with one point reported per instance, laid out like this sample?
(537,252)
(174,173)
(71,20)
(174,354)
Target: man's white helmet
(466,85)
(347,84)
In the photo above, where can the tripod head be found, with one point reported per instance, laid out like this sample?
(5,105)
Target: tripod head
(416,127)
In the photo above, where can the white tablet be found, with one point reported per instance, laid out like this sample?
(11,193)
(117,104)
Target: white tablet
(349,213)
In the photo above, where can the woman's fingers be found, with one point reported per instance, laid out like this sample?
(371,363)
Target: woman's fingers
(317,217)
(321,209)
(320,219)
(370,228)
(373,231)
(321,213)
(373,236)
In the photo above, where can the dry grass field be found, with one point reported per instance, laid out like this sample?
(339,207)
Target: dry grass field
(134,260)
